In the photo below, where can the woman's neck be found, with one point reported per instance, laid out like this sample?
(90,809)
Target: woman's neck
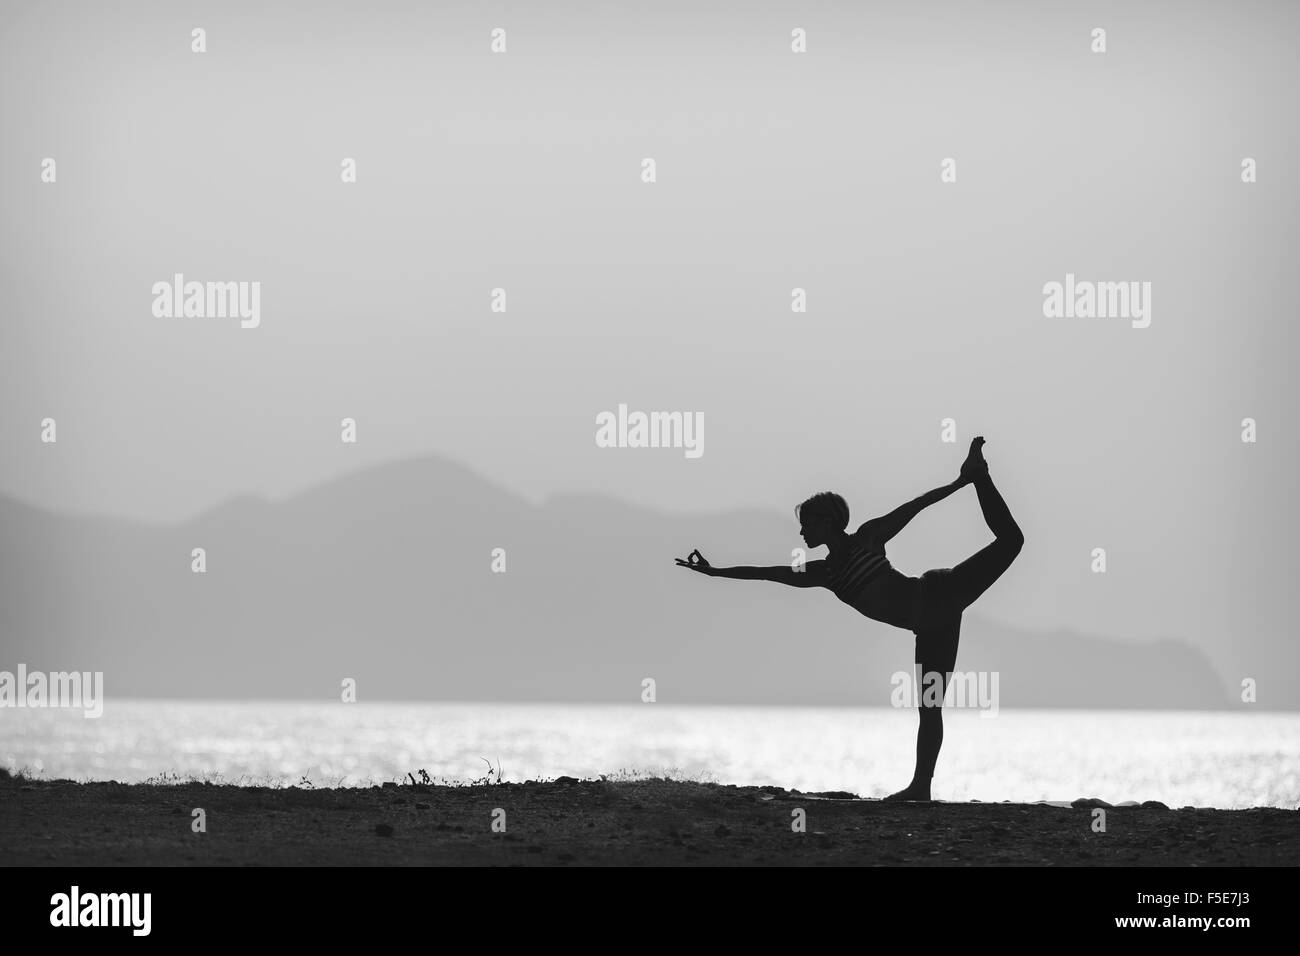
(839,543)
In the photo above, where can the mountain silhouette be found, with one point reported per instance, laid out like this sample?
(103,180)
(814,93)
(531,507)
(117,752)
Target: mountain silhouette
(386,577)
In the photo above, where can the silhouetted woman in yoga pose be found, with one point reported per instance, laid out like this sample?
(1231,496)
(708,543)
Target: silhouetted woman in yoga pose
(858,573)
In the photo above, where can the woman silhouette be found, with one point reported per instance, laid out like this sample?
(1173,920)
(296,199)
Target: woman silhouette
(857,572)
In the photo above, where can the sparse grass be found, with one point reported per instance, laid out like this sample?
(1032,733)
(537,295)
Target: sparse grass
(21,773)
(169,778)
(669,774)
(494,776)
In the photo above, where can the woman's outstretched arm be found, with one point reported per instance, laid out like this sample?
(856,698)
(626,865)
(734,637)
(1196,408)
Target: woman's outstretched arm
(879,530)
(810,577)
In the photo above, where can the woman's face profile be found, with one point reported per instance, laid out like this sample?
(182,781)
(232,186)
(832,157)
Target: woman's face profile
(813,530)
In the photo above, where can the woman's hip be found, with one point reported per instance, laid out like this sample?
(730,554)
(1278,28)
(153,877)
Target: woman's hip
(935,607)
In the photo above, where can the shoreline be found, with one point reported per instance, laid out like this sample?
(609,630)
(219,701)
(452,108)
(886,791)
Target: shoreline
(567,821)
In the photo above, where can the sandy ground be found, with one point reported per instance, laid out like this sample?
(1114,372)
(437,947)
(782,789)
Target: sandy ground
(650,822)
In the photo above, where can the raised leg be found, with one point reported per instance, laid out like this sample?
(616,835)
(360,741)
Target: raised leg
(973,576)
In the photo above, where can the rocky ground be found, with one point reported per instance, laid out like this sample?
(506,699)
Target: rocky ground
(568,822)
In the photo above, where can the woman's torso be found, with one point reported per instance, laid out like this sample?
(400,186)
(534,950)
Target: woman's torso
(862,577)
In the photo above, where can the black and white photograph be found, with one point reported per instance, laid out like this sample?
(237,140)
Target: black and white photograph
(694,435)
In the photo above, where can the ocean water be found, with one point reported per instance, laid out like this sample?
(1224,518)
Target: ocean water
(1181,758)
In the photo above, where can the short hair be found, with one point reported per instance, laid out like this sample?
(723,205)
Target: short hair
(826,504)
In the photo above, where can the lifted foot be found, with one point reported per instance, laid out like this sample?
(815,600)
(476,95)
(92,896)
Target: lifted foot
(974,466)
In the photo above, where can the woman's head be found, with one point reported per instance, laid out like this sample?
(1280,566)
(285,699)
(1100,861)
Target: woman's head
(822,517)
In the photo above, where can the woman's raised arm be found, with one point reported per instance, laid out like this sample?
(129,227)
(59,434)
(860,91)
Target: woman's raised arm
(880,530)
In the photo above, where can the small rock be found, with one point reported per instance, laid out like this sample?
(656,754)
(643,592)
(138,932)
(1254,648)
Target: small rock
(1153,805)
(422,806)
(568,781)
(722,830)
(383,830)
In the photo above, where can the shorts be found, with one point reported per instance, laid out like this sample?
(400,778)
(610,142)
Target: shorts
(935,606)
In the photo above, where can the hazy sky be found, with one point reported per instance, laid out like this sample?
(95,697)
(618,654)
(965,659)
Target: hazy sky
(775,170)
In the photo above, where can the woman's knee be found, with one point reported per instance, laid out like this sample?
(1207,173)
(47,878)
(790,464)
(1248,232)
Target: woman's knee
(931,713)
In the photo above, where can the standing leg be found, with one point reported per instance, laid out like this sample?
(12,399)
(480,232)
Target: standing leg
(936,656)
